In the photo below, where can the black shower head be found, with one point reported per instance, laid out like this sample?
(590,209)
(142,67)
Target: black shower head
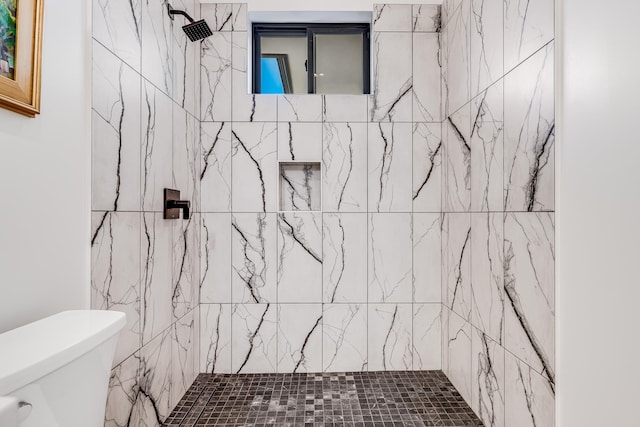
(195,30)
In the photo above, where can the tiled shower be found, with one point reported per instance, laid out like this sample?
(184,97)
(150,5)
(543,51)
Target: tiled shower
(411,229)
(498,222)
(308,231)
(145,138)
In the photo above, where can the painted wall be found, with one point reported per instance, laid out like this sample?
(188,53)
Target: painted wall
(499,204)
(598,344)
(44,181)
(347,276)
(145,122)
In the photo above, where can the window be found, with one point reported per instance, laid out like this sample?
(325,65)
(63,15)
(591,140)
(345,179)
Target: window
(311,58)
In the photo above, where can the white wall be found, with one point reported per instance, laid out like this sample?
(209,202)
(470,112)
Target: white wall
(598,220)
(45,180)
(286,5)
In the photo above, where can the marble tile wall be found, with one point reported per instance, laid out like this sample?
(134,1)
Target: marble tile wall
(344,279)
(498,254)
(146,133)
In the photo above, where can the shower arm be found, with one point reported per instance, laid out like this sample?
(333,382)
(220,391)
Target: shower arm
(173,11)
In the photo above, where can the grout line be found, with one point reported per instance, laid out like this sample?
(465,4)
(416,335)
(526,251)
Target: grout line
(231,215)
(412,222)
(504,208)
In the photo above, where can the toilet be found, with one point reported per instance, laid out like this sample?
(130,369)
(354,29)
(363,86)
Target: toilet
(58,368)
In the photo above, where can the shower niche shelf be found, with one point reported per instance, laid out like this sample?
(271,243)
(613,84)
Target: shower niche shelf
(299,186)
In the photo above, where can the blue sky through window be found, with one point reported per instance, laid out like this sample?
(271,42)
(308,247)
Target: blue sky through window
(271,79)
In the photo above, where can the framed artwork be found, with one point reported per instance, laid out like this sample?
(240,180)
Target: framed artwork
(20,55)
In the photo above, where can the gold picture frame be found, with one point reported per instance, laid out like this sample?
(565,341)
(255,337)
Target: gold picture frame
(20,85)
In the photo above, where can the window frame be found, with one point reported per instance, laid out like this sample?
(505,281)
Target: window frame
(309,30)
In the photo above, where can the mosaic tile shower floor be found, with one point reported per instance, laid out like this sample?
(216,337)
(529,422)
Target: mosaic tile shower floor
(421,398)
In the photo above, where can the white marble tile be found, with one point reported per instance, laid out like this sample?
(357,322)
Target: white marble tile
(115,273)
(486,31)
(215,338)
(344,258)
(193,102)
(186,266)
(448,8)
(487,273)
(426,84)
(530,289)
(153,392)
(253,257)
(300,257)
(457,190)
(458,57)
(390,266)
(215,258)
(248,107)
(254,338)
(344,343)
(444,321)
(254,169)
(344,108)
(300,338)
(487,150)
(389,342)
(186,156)
(219,16)
(427,342)
(344,160)
(215,167)
(392,17)
(300,108)
(156,161)
(300,141)
(426,18)
(184,54)
(392,91)
(115,160)
(530,398)
(215,77)
(529,141)
(185,350)
(123,392)
(458,353)
(116,26)
(156,258)
(427,257)
(527,27)
(457,263)
(239,17)
(487,374)
(390,163)
(427,167)
(444,70)
(157,44)
(300,186)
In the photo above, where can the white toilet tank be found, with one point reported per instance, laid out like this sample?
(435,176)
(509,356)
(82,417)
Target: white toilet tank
(61,366)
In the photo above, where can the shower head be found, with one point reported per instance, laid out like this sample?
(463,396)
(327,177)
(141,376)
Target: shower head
(195,30)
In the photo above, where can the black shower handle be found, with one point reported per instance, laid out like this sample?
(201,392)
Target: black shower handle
(184,205)
(173,205)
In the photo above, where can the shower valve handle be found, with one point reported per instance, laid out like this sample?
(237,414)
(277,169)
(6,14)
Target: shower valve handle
(173,205)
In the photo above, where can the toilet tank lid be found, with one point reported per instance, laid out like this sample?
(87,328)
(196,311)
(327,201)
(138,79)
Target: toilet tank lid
(39,348)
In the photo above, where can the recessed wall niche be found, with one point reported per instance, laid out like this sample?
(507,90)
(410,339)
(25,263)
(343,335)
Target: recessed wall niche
(300,186)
